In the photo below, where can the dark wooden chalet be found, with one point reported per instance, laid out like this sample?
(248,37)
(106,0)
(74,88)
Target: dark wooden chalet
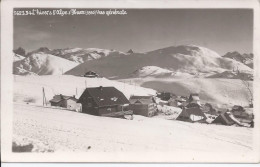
(104,101)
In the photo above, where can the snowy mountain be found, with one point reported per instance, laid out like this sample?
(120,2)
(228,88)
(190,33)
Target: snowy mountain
(42,64)
(79,55)
(41,49)
(17,57)
(246,59)
(188,59)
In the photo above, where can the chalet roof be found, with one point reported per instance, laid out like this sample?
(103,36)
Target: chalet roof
(188,112)
(104,96)
(237,108)
(141,99)
(195,98)
(58,98)
(224,119)
(194,111)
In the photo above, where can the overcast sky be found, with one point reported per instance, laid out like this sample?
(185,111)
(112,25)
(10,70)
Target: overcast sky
(221,30)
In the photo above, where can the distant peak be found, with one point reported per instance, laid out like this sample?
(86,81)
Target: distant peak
(43,49)
(130,51)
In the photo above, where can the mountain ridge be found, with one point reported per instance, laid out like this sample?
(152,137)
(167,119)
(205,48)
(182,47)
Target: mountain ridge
(184,58)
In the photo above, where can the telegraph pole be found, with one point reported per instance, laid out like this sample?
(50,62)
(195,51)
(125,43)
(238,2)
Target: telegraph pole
(43,97)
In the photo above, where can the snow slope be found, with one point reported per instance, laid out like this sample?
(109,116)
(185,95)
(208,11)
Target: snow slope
(29,88)
(54,130)
(213,90)
(185,58)
(42,64)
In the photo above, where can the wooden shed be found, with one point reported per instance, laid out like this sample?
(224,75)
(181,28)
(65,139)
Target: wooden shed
(143,105)
(104,101)
(69,102)
(91,74)
(166,96)
(224,119)
(192,115)
(194,98)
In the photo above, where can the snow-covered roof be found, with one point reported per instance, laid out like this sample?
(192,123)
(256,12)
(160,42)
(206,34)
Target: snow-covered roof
(104,96)
(58,98)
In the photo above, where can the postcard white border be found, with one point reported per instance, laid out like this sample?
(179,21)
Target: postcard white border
(191,156)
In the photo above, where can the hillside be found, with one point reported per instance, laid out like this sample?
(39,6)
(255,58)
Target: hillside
(187,59)
(246,59)
(214,90)
(42,64)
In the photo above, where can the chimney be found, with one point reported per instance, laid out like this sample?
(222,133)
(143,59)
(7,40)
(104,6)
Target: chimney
(101,87)
(61,96)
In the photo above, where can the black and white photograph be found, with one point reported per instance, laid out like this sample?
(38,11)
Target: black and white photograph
(139,81)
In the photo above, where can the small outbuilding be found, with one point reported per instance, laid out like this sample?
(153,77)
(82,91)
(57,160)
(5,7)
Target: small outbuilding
(91,74)
(69,102)
(226,119)
(104,101)
(143,105)
(166,96)
(192,115)
(208,108)
(194,98)
(177,101)
(239,112)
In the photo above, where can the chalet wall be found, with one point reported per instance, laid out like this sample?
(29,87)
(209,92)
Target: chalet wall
(147,110)
(108,109)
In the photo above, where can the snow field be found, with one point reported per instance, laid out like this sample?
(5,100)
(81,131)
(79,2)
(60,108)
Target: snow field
(28,89)
(61,130)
